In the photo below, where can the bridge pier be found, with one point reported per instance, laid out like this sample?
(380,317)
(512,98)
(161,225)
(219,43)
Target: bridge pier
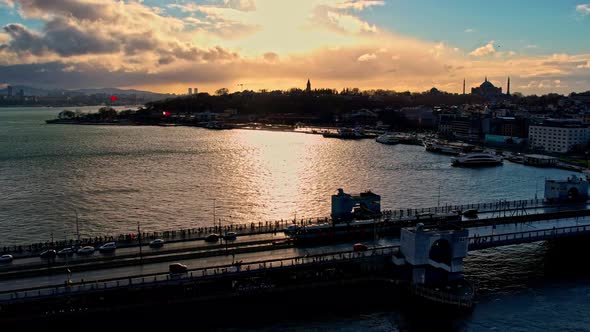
(434,258)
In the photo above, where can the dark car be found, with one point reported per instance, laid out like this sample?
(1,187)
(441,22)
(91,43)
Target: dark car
(212,238)
(157,243)
(177,268)
(471,213)
(230,236)
(48,254)
(360,247)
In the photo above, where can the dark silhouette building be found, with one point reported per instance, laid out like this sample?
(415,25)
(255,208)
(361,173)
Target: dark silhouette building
(308,89)
(487,89)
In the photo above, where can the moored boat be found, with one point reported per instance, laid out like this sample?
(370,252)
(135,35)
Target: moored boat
(387,139)
(477,159)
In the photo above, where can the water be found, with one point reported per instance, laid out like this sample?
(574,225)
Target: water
(174,177)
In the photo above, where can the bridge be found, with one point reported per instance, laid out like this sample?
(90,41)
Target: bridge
(267,262)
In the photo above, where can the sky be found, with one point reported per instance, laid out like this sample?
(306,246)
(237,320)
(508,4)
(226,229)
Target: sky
(171,45)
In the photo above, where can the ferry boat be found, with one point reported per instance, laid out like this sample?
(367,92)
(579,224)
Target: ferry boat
(347,133)
(387,139)
(477,159)
(448,148)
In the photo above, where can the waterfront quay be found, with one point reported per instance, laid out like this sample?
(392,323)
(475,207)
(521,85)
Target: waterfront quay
(247,268)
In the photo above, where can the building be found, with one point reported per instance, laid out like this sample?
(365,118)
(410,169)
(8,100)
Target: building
(347,206)
(558,135)
(574,189)
(9,91)
(487,90)
(308,88)
(196,91)
(190,91)
(468,128)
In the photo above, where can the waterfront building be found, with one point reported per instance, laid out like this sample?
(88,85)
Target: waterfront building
(572,189)
(558,135)
(464,127)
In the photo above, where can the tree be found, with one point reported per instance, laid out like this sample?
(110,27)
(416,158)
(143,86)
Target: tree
(222,91)
(107,113)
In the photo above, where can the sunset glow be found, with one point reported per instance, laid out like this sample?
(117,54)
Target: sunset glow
(167,46)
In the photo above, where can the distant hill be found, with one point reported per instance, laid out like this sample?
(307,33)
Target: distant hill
(33,91)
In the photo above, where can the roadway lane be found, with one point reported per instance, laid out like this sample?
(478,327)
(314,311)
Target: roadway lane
(188,245)
(162,267)
(527,227)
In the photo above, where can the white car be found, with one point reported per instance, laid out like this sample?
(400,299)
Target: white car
(6,258)
(86,250)
(108,247)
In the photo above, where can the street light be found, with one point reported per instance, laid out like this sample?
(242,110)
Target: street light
(139,239)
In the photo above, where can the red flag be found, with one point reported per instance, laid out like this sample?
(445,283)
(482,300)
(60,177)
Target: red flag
(114,98)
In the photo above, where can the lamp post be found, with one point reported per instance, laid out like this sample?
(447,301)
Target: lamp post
(139,239)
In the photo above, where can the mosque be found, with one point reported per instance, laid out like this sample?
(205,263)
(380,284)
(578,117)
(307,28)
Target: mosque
(488,90)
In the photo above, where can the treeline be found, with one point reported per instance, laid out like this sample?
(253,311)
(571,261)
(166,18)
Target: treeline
(324,102)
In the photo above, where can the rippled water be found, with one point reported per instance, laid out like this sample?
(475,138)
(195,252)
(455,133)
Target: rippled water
(169,177)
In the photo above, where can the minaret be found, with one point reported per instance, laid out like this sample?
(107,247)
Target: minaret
(508,87)
(486,79)
(463,86)
(308,89)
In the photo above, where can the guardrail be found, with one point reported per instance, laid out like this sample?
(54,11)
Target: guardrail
(489,241)
(191,275)
(197,233)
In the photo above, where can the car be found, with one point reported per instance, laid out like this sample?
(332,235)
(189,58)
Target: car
(86,250)
(291,229)
(107,247)
(471,213)
(4,259)
(177,268)
(48,254)
(230,236)
(157,243)
(359,247)
(212,238)
(65,252)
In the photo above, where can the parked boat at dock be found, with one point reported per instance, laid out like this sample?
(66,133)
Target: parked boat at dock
(387,139)
(477,159)
(348,133)
(449,147)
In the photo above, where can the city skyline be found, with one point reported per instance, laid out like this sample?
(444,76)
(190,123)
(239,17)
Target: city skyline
(167,46)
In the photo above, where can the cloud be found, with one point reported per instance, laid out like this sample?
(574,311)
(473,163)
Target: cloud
(469,30)
(487,49)
(359,4)
(243,5)
(270,57)
(367,57)
(583,9)
(531,46)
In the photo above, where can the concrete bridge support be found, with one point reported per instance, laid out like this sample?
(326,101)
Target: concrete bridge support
(434,255)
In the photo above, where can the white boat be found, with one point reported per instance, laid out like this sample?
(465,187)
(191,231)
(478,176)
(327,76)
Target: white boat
(387,139)
(476,159)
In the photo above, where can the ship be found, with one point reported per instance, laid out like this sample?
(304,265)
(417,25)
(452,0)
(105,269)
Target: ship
(477,159)
(449,148)
(348,133)
(387,139)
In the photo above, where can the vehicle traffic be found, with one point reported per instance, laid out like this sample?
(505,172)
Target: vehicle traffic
(66,252)
(48,254)
(107,247)
(5,259)
(86,250)
(157,243)
(212,238)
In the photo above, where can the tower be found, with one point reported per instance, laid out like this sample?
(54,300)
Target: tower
(463,86)
(508,87)
(308,89)
(190,91)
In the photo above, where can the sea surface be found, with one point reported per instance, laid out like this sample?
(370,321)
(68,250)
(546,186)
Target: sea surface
(180,177)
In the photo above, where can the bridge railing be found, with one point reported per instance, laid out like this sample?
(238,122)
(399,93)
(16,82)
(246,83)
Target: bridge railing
(191,275)
(257,227)
(488,241)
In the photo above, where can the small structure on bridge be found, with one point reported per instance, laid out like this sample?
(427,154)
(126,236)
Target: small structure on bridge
(437,248)
(574,189)
(346,206)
